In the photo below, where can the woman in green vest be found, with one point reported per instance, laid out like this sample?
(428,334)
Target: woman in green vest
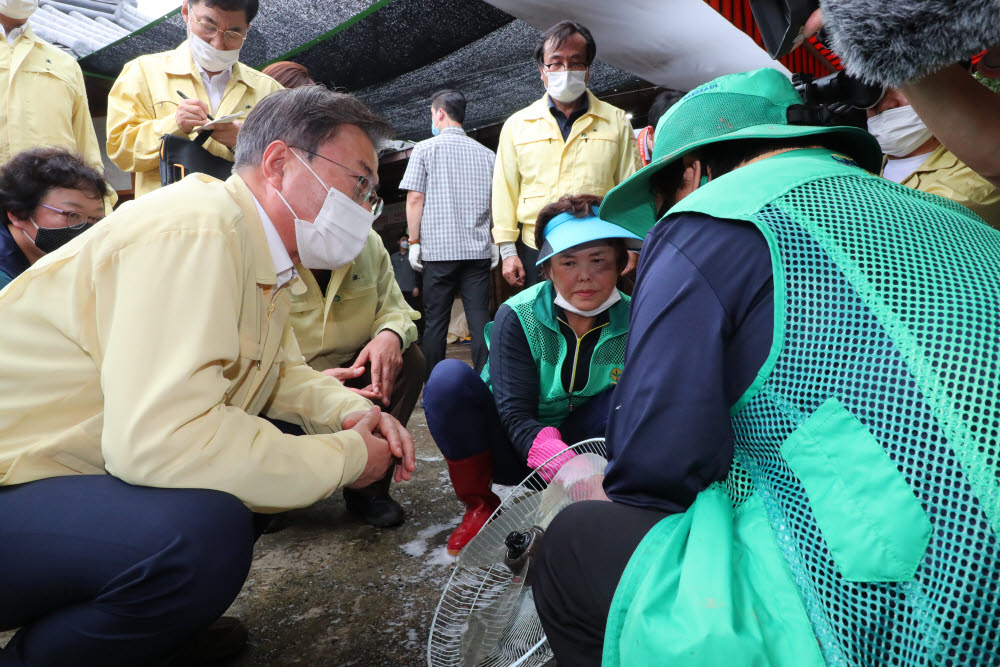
(556,353)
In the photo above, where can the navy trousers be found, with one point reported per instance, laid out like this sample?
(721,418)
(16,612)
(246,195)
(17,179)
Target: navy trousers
(98,572)
(471,279)
(463,420)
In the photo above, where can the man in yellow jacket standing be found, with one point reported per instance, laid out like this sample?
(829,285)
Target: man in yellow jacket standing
(175,92)
(568,142)
(44,99)
(135,362)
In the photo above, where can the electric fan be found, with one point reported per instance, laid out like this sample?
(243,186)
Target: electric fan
(486,616)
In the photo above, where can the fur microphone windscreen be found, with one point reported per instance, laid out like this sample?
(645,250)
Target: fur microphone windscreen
(895,41)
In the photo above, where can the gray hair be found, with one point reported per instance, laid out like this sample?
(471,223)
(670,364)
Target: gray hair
(304,117)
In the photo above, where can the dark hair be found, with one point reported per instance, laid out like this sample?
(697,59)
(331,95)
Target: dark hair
(289,74)
(29,176)
(722,157)
(581,206)
(661,104)
(304,117)
(249,7)
(559,33)
(453,103)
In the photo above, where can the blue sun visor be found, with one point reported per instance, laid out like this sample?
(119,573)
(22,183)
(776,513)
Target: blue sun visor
(566,231)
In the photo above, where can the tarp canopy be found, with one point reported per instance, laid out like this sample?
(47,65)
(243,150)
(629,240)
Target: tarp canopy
(395,53)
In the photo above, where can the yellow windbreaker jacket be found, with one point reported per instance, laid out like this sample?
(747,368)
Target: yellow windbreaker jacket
(534,166)
(945,175)
(142,103)
(146,347)
(361,300)
(44,101)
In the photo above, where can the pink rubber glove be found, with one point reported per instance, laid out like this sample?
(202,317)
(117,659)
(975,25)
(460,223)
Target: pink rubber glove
(547,444)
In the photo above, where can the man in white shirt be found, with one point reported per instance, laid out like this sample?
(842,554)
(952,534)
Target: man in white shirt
(177,92)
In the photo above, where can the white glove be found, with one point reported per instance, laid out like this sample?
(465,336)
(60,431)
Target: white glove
(415,257)
(495,249)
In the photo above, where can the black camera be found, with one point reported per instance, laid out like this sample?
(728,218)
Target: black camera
(835,99)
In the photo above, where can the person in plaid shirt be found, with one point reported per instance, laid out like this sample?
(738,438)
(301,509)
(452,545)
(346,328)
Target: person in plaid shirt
(449,178)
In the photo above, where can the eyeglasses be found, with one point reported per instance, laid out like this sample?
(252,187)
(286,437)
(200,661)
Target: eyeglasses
(364,191)
(562,67)
(208,30)
(74,219)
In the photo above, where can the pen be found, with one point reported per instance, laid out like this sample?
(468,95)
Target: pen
(184,97)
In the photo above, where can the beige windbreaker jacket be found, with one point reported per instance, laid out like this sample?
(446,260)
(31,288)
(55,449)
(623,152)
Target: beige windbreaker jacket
(361,300)
(146,348)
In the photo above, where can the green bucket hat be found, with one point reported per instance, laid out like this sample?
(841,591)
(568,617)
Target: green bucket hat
(751,105)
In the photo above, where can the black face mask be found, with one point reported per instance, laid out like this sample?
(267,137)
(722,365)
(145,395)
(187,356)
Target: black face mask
(48,239)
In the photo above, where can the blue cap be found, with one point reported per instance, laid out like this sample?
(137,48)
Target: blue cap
(566,231)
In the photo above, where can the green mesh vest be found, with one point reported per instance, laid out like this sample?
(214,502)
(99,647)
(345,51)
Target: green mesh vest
(535,309)
(870,437)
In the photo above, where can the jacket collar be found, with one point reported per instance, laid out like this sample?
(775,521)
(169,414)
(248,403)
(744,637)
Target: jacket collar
(263,264)
(13,262)
(939,158)
(181,63)
(545,310)
(540,108)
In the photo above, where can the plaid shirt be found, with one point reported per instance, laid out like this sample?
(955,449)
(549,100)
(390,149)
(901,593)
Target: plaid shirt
(455,173)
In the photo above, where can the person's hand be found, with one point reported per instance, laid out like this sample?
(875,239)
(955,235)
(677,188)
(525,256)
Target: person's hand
(226,133)
(813,24)
(513,271)
(495,259)
(385,354)
(633,261)
(414,257)
(546,445)
(190,114)
(345,374)
(398,438)
(379,452)
(416,292)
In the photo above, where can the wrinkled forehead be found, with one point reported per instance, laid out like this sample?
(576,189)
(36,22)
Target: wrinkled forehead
(590,248)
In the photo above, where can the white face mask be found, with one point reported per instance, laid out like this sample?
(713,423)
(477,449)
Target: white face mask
(567,306)
(210,58)
(404,245)
(899,131)
(337,235)
(18,9)
(567,86)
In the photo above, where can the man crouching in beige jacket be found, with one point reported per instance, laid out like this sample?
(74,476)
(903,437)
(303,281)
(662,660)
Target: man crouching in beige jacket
(136,365)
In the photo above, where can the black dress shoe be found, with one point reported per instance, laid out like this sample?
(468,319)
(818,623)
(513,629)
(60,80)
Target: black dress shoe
(380,511)
(214,646)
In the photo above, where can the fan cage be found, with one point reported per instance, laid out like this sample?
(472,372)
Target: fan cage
(486,616)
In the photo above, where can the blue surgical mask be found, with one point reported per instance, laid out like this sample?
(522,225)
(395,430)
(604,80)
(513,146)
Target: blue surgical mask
(435,130)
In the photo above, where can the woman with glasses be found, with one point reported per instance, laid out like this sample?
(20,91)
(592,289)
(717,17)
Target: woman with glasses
(48,197)
(556,352)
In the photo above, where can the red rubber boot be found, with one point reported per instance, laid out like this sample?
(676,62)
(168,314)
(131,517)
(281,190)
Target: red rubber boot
(471,478)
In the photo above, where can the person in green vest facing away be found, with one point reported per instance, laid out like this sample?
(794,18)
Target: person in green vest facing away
(803,453)
(556,353)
